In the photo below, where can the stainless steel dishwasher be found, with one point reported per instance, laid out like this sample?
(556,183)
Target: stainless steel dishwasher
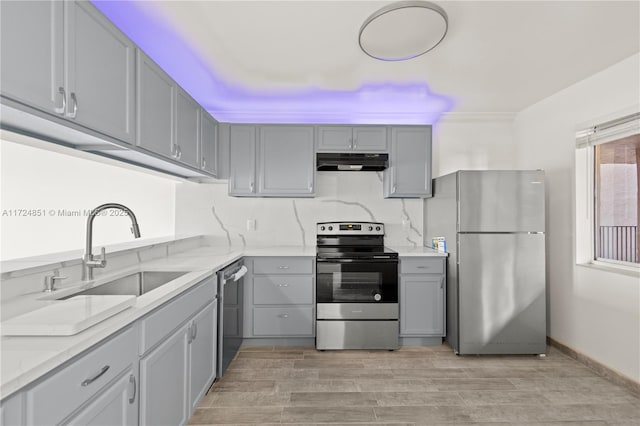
(230,292)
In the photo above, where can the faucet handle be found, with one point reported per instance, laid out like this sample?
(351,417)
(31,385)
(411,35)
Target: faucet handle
(103,257)
(50,282)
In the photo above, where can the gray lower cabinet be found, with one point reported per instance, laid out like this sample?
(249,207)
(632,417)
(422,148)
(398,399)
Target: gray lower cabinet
(67,59)
(271,161)
(422,297)
(279,297)
(209,143)
(409,171)
(12,410)
(164,376)
(116,405)
(179,348)
(156,103)
(202,353)
(86,385)
(351,139)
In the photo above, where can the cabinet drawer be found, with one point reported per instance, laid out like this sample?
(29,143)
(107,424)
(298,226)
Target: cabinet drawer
(59,395)
(282,290)
(160,323)
(283,321)
(283,265)
(421,265)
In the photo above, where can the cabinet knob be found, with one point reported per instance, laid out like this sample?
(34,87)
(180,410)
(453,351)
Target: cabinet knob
(283,316)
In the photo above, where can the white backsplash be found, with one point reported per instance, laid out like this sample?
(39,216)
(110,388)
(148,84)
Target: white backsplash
(345,196)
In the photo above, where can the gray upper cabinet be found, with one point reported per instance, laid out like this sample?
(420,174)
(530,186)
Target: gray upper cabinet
(242,160)
(100,78)
(271,161)
(66,59)
(156,102)
(409,172)
(187,129)
(209,143)
(31,69)
(348,139)
(286,161)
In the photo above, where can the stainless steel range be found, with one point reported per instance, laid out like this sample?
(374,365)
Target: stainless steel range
(356,287)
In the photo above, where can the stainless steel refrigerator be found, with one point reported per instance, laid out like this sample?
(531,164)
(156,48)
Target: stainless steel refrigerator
(494,225)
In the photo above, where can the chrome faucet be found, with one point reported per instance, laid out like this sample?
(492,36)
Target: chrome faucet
(88,260)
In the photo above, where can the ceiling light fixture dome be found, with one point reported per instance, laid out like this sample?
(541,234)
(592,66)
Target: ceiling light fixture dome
(403,30)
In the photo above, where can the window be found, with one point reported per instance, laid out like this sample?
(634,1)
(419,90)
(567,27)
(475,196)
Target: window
(613,151)
(616,200)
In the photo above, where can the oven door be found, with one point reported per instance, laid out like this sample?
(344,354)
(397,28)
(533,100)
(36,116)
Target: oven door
(357,280)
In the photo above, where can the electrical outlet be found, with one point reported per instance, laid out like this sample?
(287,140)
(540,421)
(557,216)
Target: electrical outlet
(251,224)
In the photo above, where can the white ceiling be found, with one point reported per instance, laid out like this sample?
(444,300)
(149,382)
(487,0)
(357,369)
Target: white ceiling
(498,56)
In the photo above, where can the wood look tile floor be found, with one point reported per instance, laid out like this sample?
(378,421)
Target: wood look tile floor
(412,386)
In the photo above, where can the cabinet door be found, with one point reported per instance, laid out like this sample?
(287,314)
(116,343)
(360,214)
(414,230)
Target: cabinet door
(209,143)
(285,161)
(156,103)
(31,70)
(99,73)
(334,138)
(409,172)
(422,305)
(164,379)
(242,160)
(202,368)
(12,410)
(116,405)
(370,139)
(187,129)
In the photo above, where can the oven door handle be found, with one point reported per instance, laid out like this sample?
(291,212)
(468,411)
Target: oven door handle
(374,259)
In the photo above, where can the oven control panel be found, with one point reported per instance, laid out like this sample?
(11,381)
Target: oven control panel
(350,228)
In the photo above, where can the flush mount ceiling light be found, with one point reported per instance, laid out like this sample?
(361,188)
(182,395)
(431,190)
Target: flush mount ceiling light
(403,30)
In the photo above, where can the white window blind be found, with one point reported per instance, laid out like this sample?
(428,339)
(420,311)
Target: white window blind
(609,131)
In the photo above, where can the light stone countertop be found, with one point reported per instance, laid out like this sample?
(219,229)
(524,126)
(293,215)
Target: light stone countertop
(410,251)
(26,359)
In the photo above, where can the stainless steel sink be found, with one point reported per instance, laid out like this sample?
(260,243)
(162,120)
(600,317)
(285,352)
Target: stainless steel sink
(135,284)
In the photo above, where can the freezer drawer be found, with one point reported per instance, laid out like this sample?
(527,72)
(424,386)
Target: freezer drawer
(501,294)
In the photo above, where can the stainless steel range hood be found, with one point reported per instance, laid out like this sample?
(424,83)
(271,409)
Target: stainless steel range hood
(331,161)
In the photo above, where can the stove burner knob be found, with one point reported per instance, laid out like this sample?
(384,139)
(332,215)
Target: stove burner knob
(322,228)
(377,297)
(331,228)
(377,228)
(371,228)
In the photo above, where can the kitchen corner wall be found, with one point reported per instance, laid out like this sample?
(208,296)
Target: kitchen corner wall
(594,311)
(349,196)
(45,193)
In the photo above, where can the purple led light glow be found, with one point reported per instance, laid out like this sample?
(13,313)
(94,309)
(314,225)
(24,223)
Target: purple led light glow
(373,103)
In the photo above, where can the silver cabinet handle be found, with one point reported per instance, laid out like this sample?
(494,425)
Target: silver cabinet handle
(90,380)
(74,113)
(179,150)
(393,190)
(132,381)
(204,163)
(174,150)
(251,186)
(283,285)
(350,143)
(194,331)
(283,267)
(285,316)
(310,187)
(355,143)
(60,110)
(441,284)
(421,267)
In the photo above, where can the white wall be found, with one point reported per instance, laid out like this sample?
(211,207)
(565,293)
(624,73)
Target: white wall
(473,142)
(593,311)
(46,181)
